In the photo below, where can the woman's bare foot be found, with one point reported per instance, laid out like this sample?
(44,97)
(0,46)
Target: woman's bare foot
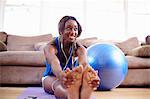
(90,82)
(73,84)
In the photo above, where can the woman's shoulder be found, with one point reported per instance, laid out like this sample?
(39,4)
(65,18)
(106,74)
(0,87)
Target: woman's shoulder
(51,45)
(53,41)
(79,46)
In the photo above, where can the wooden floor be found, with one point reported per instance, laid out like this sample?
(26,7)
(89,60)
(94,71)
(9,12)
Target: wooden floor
(118,93)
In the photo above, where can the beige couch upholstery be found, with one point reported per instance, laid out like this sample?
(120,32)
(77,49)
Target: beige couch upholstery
(23,61)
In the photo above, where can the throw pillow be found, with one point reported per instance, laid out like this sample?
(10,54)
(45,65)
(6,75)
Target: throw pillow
(3,36)
(147,39)
(86,42)
(142,51)
(128,44)
(3,46)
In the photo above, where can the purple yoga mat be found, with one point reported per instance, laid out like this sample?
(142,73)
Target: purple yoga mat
(37,93)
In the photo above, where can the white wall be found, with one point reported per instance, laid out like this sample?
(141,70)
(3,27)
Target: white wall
(105,19)
(2,5)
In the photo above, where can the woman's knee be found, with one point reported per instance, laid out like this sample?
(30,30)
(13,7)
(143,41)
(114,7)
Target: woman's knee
(48,90)
(46,83)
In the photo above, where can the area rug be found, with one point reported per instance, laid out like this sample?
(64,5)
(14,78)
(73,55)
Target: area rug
(37,93)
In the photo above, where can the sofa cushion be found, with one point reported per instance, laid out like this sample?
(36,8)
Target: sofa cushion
(142,51)
(26,47)
(21,74)
(87,41)
(18,58)
(24,43)
(137,77)
(138,62)
(3,46)
(128,45)
(3,36)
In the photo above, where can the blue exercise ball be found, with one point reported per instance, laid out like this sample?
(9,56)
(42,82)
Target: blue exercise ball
(111,64)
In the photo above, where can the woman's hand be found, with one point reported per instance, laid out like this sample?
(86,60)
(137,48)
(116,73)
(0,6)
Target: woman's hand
(92,77)
(66,78)
(69,77)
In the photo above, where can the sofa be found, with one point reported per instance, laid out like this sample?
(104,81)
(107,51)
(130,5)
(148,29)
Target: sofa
(22,60)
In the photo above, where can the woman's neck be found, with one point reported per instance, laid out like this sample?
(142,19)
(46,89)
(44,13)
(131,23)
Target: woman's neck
(66,44)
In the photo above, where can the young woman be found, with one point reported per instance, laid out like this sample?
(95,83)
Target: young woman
(61,77)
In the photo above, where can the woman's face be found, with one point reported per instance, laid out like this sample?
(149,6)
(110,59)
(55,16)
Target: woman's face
(70,31)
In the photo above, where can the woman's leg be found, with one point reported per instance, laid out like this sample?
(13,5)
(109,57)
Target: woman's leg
(90,82)
(53,86)
(74,89)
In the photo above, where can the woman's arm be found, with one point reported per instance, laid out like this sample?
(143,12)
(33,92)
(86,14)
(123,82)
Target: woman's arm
(82,55)
(50,54)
